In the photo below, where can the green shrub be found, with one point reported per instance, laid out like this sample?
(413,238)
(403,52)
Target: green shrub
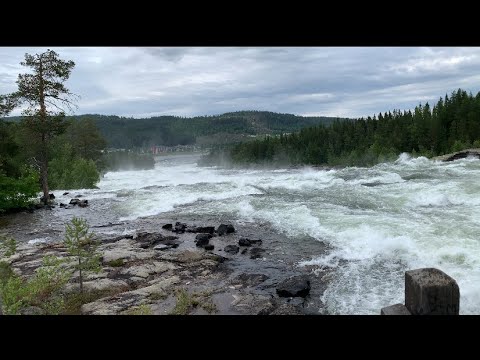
(8,246)
(18,192)
(43,290)
(68,171)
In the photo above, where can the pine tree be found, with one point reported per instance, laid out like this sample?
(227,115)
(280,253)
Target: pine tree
(46,97)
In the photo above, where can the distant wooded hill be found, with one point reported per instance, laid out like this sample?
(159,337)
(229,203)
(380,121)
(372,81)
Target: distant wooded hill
(122,132)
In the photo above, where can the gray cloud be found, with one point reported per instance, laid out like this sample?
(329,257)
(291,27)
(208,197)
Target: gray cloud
(351,81)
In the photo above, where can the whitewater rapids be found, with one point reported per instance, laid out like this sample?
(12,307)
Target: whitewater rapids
(378,222)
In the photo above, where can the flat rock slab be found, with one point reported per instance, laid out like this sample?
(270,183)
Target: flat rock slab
(397,309)
(294,286)
(430,291)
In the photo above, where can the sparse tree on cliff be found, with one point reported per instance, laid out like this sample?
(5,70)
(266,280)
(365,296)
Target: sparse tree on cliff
(46,98)
(80,244)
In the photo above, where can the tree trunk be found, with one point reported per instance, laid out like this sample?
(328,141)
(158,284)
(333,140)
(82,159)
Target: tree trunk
(81,277)
(44,143)
(44,172)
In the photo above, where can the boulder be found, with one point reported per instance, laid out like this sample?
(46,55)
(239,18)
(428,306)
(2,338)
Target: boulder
(202,239)
(180,227)
(74,201)
(231,249)
(244,242)
(294,286)
(225,229)
(209,247)
(65,193)
(167,226)
(83,203)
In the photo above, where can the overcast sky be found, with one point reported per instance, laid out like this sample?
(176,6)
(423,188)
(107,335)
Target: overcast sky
(345,82)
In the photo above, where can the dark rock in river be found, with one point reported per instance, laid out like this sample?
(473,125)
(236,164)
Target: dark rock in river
(225,229)
(256,253)
(148,240)
(244,251)
(83,203)
(202,239)
(244,242)
(66,193)
(231,249)
(50,197)
(294,286)
(74,201)
(167,226)
(209,247)
(201,229)
(62,205)
(180,227)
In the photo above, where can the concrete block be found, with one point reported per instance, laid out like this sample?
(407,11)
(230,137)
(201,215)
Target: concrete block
(430,291)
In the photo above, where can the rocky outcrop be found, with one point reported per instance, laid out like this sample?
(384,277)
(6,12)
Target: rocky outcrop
(149,269)
(459,155)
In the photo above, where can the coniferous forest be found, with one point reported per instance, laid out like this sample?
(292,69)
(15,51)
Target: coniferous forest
(452,124)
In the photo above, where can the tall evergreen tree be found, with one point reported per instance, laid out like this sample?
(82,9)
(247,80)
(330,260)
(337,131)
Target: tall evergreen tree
(46,97)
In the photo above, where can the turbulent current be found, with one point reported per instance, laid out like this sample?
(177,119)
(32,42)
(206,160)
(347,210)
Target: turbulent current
(377,222)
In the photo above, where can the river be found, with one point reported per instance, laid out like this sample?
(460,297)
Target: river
(376,222)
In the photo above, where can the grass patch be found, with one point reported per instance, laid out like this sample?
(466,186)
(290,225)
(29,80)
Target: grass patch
(187,302)
(157,296)
(209,307)
(139,310)
(5,272)
(116,263)
(73,302)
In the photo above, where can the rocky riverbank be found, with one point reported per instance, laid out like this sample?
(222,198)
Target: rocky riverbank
(187,268)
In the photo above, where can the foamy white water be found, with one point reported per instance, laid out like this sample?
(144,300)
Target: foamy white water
(379,221)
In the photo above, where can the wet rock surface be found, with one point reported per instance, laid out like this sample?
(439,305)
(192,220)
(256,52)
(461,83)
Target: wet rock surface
(154,266)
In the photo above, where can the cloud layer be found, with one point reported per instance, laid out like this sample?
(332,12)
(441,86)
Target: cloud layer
(350,82)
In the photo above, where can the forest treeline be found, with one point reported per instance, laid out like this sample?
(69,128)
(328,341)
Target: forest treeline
(452,124)
(129,133)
